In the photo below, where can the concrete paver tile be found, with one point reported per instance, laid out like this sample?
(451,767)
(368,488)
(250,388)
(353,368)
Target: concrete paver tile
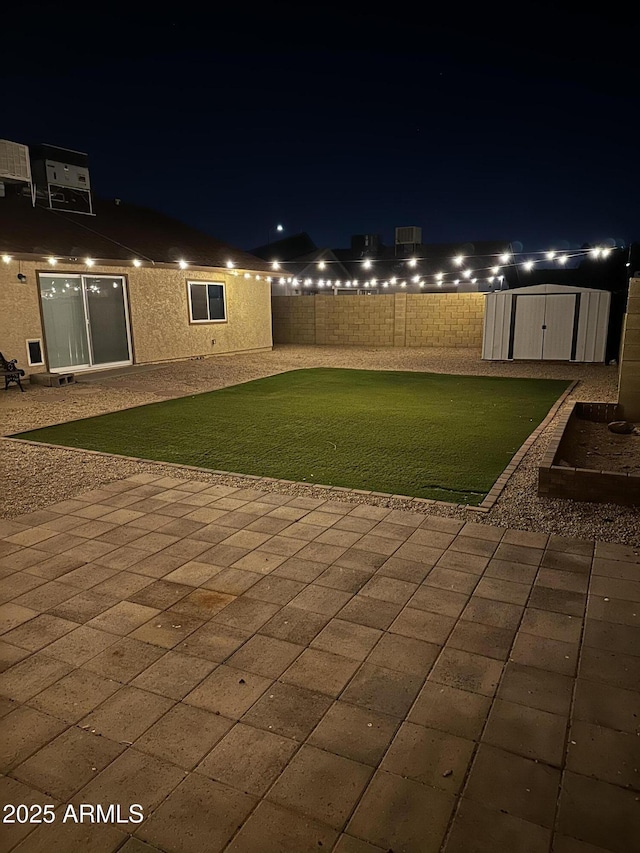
(266,656)
(604,705)
(74,695)
(322,785)
(429,756)
(31,675)
(347,639)
(295,625)
(526,731)
(481,639)
(248,759)
(598,813)
(450,710)
(536,688)
(511,784)
(24,731)
(127,714)
(288,710)
(228,691)
(380,689)
(184,735)
(123,617)
(451,579)
(544,653)
(555,626)
(400,814)
(604,754)
(67,763)
(273,829)
(322,671)
(123,660)
(477,829)
(356,733)
(404,654)
(422,625)
(132,778)
(467,671)
(347,580)
(173,675)
(213,642)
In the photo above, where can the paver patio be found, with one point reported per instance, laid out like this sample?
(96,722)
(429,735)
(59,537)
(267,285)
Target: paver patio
(269,673)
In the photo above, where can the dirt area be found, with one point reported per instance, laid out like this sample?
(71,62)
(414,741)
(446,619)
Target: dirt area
(596,447)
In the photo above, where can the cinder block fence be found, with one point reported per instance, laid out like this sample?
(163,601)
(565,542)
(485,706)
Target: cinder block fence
(393,320)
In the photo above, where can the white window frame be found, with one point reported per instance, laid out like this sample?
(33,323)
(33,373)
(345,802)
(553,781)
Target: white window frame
(35,363)
(205,284)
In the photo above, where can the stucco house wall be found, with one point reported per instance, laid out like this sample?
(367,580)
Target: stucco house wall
(158,310)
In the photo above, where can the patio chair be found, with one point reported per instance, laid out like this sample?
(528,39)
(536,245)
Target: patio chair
(10,372)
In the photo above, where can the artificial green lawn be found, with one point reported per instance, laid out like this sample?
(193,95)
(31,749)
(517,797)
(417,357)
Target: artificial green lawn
(421,434)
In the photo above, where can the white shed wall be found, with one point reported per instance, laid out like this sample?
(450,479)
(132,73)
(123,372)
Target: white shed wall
(574,324)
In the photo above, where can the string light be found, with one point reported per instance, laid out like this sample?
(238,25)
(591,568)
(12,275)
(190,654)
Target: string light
(474,276)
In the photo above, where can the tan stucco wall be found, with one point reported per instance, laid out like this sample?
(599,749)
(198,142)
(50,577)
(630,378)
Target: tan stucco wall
(396,319)
(629,387)
(19,313)
(158,309)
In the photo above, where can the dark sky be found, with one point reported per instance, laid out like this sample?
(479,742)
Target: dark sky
(521,126)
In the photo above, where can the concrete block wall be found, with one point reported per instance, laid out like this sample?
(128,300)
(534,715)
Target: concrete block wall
(353,320)
(629,383)
(386,320)
(294,324)
(445,320)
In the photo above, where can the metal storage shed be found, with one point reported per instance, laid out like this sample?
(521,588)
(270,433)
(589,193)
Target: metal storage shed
(547,322)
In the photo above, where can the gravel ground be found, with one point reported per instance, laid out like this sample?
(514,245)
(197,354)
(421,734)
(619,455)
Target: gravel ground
(33,477)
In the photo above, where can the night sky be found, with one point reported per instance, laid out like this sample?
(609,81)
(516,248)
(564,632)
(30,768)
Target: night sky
(472,127)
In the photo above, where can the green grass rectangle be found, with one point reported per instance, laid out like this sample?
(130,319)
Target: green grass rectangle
(421,434)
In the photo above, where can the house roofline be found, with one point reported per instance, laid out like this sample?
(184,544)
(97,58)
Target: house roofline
(38,257)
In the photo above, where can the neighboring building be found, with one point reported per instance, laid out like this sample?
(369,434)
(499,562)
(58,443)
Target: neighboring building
(370,267)
(88,283)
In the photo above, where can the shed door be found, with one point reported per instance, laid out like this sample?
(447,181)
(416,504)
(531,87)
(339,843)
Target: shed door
(559,321)
(527,332)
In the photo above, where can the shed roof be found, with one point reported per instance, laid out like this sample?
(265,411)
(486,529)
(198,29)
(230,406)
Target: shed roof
(549,288)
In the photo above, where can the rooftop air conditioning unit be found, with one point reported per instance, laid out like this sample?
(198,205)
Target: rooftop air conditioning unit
(14,162)
(408,234)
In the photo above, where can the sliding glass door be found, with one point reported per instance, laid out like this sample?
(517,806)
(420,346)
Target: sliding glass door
(86,322)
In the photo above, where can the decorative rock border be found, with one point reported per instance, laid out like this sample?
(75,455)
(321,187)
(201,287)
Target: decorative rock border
(497,488)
